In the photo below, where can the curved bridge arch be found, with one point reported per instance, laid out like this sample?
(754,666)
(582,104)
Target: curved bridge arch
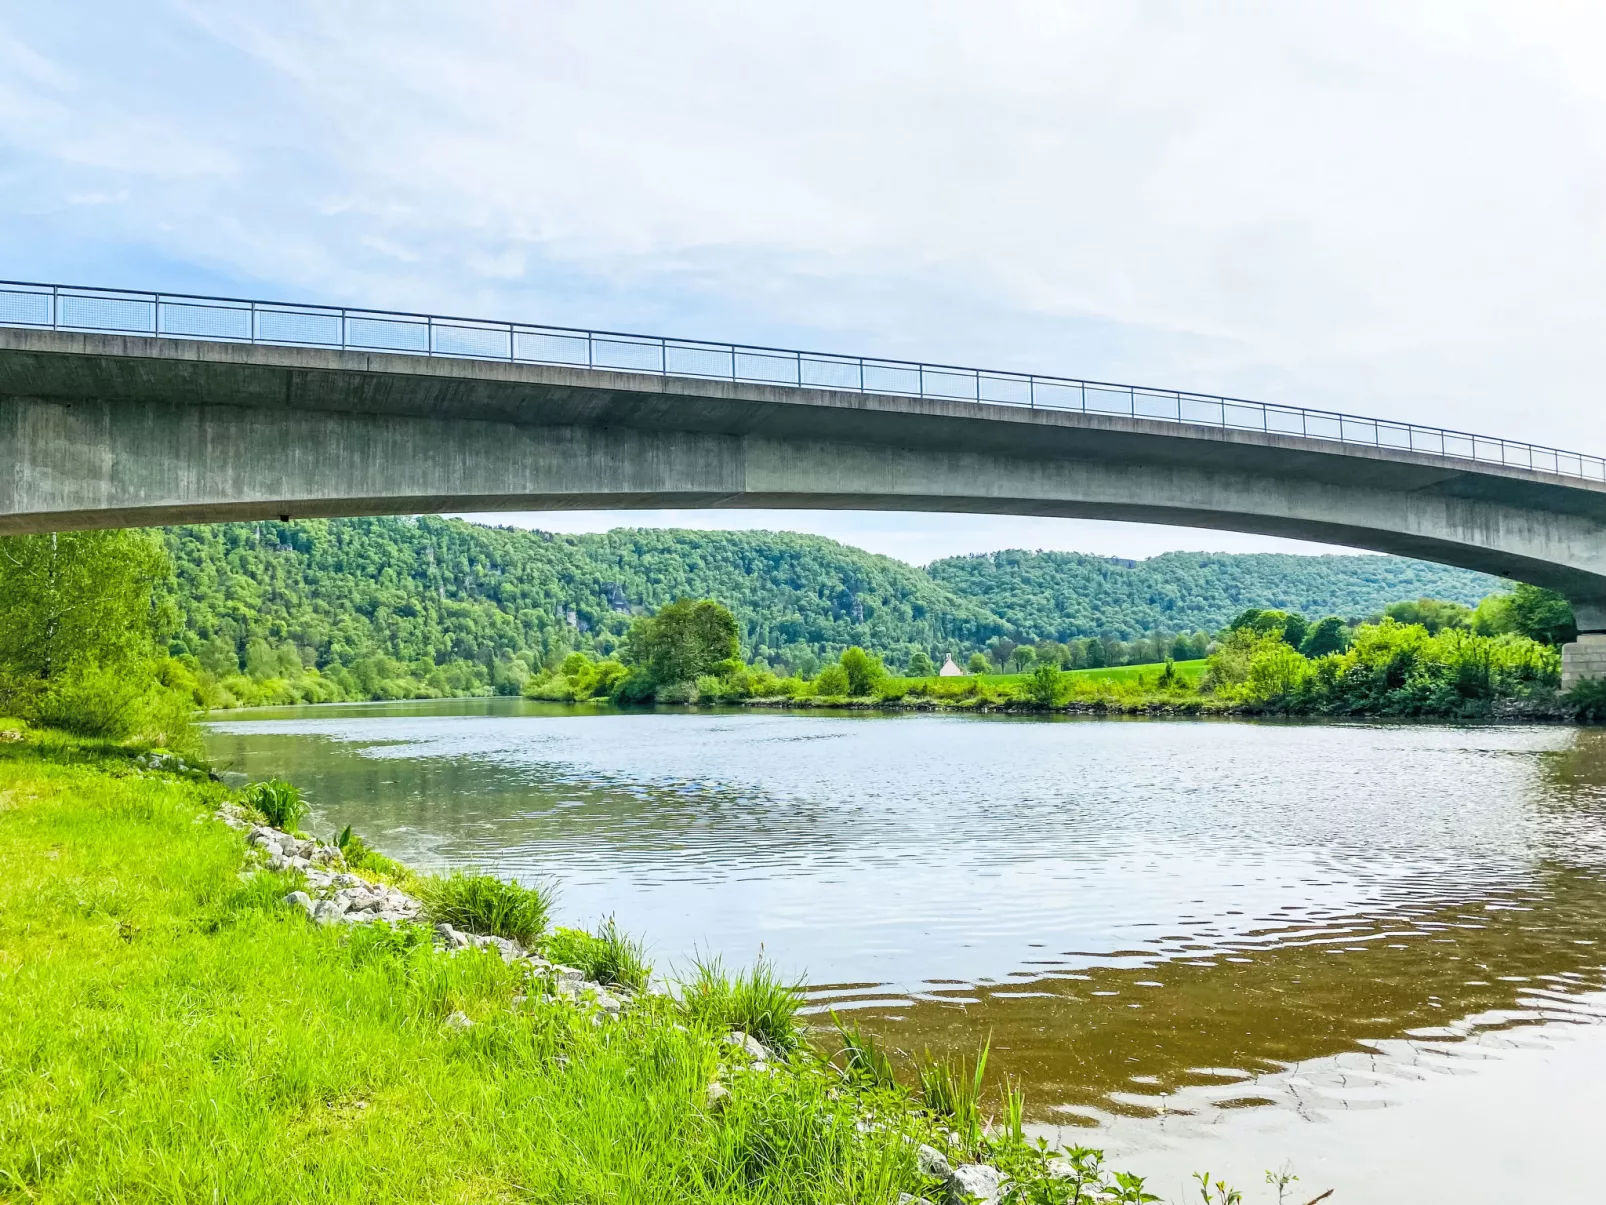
(111,430)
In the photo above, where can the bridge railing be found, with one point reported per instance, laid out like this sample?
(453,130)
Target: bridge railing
(181,316)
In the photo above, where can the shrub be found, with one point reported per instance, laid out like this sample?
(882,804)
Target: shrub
(831,681)
(863,671)
(977,664)
(1588,698)
(1044,686)
(281,803)
(920,665)
(609,955)
(757,1002)
(482,903)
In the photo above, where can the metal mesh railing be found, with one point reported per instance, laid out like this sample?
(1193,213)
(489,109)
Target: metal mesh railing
(170,315)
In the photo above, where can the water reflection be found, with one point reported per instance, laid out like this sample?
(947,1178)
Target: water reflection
(1153,920)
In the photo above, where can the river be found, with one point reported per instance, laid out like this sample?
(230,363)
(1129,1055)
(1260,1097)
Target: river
(1372,953)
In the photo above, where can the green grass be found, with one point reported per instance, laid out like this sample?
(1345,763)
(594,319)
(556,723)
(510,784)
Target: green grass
(280,803)
(608,956)
(174,1034)
(756,1001)
(482,903)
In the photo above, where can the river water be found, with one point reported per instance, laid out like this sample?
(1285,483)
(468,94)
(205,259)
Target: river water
(1373,953)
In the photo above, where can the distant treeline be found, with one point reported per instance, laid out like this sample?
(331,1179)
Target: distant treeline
(403,608)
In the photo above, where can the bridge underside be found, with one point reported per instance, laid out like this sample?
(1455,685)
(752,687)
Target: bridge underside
(107,431)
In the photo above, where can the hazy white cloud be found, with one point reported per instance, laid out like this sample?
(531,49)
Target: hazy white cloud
(1391,208)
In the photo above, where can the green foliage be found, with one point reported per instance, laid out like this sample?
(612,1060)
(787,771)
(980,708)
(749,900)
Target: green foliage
(864,1059)
(920,665)
(756,1001)
(482,903)
(1541,615)
(1330,635)
(607,956)
(950,1088)
(683,641)
(1389,668)
(864,671)
(1065,596)
(281,803)
(1434,614)
(78,633)
(977,664)
(832,682)
(1588,700)
(1022,657)
(1044,687)
(360,856)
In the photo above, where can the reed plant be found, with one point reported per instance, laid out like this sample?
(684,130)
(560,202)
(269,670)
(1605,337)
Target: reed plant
(757,1001)
(950,1088)
(609,955)
(864,1058)
(280,803)
(483,903)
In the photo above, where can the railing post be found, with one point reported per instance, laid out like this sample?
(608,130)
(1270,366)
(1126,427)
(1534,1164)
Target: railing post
(429,335)
(799,369)
(861,374)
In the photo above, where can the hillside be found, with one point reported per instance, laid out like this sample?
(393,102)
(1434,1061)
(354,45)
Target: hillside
(1063,595)
(397,605)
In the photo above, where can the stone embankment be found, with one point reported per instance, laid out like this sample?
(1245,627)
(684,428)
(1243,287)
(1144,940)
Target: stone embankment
(334,895)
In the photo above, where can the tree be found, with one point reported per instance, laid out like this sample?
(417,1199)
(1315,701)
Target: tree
(863,670)
(977,664)
(1044,686)
(79,628)
(920,665)
(1021,658)
(683,641)
(1434,614)
(1329,635)
(1541,615)
(1000,649)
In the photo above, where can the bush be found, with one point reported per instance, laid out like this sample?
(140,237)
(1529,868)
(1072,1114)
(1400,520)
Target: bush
(920,665)
(757,1002)
(832,681)
(977,664)
(1044,686)
(609,955)
(863,671)
(482,903)
(281,803)
(1588,698)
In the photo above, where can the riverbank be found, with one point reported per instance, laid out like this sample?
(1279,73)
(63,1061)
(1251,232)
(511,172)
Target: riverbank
(183,1027)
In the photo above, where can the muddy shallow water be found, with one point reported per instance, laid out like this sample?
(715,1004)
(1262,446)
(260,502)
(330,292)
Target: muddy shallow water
(1375,951)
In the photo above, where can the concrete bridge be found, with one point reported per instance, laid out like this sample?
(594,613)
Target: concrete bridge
(104,429)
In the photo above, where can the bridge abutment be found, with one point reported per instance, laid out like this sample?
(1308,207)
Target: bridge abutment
(1586,656)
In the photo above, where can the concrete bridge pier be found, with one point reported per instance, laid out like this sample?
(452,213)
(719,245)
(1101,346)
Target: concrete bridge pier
(1586,656)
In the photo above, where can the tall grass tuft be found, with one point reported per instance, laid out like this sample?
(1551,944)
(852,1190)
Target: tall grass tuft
(865,1060)
(281,803)
(950,1087)
(482,903)
(758,1002)
(609,956)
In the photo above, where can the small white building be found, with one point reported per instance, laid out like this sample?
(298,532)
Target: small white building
(949,669)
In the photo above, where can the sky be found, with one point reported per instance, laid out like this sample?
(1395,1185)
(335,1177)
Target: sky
(1390,208)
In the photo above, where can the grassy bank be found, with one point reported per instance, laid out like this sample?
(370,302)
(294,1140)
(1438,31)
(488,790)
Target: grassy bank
(178,1032)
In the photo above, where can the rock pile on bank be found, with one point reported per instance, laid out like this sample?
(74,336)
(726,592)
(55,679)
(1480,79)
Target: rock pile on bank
(333,895)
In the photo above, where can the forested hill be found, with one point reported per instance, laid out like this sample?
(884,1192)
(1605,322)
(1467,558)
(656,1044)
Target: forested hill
(461,603)
(1062,595)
